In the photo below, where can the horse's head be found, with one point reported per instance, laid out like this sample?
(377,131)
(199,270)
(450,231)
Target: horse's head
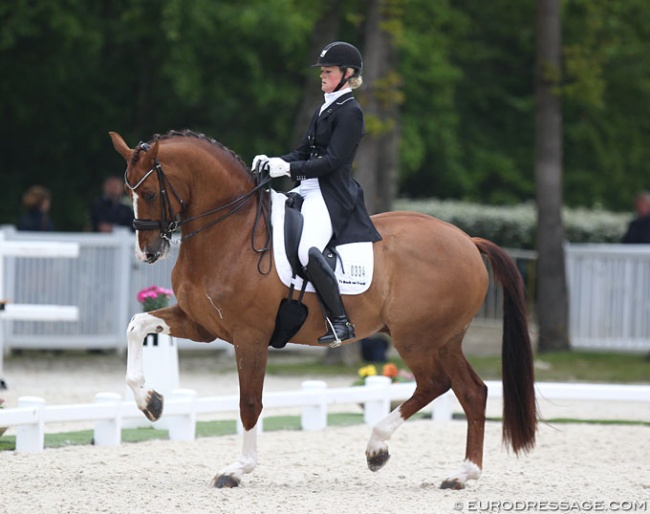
(156,203)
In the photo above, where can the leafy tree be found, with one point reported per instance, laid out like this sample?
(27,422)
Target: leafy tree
(73,70)
(430,146)
(606,78)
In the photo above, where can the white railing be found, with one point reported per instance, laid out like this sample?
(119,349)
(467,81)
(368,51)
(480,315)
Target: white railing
(183,407)
(40,312)
(609,289)
(103,281)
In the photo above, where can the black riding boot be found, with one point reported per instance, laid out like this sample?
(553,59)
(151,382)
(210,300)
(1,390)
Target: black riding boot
(322,276)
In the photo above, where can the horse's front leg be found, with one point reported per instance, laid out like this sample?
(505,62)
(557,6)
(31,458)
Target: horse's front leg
(171,320)
(251,364)
(148,401)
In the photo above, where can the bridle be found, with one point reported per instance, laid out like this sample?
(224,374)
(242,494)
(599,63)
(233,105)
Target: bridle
(170,221)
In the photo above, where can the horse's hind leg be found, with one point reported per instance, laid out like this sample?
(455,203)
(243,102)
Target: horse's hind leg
(431,381)
(471,392)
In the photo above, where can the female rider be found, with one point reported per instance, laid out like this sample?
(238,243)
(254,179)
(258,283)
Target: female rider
(333,207)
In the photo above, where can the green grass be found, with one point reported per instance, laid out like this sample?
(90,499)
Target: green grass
(597,367)
(575,366)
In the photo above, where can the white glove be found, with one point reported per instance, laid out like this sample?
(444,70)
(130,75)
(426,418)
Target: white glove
(261,159)
(278,167)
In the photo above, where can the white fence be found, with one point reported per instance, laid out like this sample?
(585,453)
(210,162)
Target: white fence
(609,288)
(36,311)
(103,281)
(182,408)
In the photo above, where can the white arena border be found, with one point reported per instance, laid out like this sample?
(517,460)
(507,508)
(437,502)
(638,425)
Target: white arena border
(33,312)
(182,407)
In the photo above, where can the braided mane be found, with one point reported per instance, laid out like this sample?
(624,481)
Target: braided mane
(188,133)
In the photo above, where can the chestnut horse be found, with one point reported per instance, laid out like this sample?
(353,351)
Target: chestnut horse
(430,280)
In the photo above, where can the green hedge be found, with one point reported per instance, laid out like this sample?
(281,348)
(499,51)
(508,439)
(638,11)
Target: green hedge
(514,226)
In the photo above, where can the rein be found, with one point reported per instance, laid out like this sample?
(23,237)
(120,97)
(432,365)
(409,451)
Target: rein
(168,222)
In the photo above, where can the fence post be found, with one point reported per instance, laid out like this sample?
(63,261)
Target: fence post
(375,410)
(160,363)
(441,409)
(124,261)
(182,427)
(314,417)
(31,438)
(108,432)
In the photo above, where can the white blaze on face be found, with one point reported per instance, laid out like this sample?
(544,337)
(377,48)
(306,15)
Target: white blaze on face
(134,198)
(139,254)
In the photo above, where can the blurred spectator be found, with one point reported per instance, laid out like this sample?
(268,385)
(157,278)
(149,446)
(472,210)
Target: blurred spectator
(36,201)
(111,208)
(638,230)
(375,348)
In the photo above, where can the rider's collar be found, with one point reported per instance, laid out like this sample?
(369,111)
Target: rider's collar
(330,98)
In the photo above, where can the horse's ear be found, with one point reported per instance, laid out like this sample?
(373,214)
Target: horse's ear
(121,147)
(147,159)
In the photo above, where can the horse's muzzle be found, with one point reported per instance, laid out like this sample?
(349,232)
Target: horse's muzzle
(153,249)
(150,258)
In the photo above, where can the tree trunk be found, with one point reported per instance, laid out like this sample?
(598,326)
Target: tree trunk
(552,302)
(325,31)
(388,165)
(377,159)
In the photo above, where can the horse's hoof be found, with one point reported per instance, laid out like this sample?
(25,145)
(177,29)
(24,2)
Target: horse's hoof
(225,482)
(378,460)
(453,483)
(154,406)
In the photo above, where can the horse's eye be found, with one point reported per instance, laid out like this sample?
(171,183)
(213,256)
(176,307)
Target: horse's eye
(149,196)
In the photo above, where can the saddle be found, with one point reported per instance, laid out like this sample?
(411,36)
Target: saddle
(292,313)
(353,264)
(293,226)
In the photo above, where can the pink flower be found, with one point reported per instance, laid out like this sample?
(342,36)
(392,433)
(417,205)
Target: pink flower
(154,297)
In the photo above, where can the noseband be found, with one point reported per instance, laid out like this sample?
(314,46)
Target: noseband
(169,221)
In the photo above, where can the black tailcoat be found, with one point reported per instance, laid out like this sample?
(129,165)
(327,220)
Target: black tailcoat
(326,153)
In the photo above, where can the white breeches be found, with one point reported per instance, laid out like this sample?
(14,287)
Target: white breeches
(317,229)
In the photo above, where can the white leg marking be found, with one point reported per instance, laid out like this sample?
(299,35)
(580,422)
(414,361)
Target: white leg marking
(467,471)
(140,325)
(247,460)
(383,431)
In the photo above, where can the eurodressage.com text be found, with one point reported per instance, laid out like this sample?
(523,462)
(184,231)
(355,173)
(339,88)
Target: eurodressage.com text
(551,506)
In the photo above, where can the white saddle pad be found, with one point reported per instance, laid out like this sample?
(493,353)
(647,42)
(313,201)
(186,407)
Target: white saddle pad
(354,276)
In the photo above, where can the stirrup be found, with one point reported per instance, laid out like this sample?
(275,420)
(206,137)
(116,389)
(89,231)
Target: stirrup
(332,337)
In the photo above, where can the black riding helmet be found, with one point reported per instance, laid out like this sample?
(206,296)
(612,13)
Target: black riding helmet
(343,55)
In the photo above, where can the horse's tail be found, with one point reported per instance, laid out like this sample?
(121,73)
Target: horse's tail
(519,405)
